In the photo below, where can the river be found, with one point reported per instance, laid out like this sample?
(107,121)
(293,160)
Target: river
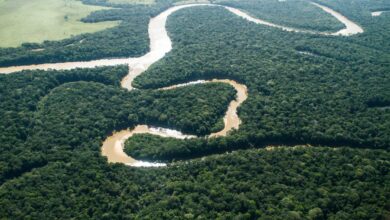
(160,45)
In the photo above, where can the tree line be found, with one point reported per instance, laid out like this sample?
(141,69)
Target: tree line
(128,39)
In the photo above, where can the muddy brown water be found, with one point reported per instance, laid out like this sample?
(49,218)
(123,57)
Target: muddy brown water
(160,45)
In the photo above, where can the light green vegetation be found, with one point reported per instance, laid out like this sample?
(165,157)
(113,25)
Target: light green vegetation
(39,20)
(146,2)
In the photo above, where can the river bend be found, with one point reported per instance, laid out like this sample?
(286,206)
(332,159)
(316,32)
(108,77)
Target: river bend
(160,45)
(160,42)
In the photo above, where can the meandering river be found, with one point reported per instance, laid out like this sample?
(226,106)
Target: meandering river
(113,146)
(160,44)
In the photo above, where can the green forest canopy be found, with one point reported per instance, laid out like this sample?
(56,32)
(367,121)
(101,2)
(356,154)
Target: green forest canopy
(334,97)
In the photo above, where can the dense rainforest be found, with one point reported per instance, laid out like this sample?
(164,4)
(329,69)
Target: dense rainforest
(310,17)
(303,183)
(313,142)
(46,113)
(130,37)
(293,97)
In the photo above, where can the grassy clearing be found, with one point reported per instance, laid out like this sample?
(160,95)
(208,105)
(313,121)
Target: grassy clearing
(145,2)
(35,21)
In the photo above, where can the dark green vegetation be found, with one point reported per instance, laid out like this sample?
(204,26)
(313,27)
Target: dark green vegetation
(74,114)
(154,148)
(375,38)
(21,95)
(285,13)
(317,183)
(293,97)
(52,125)
(130,38)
